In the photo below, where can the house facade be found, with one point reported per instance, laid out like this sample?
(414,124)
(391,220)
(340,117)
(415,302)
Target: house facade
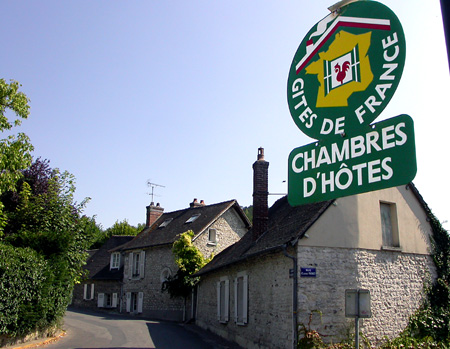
(103,286)
(298,261)
(149,261)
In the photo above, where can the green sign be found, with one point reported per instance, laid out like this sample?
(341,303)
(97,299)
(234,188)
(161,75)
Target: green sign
(346,70)
(381,156)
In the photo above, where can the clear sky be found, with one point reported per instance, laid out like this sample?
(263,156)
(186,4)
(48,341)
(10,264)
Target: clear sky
(182,93)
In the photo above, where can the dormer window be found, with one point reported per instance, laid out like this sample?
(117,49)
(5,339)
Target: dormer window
(165,223)
(193,218)
(115,260)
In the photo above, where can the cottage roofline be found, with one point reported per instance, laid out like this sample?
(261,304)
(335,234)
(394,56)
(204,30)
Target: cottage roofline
(245,255)
(144,238)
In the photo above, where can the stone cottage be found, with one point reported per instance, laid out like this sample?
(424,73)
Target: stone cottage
(149,260)
(299,260)
(103,286)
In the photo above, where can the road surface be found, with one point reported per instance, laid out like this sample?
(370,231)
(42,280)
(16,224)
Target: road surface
(98,330)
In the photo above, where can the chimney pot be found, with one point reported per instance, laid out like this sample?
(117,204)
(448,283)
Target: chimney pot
(195,203)
(260,153)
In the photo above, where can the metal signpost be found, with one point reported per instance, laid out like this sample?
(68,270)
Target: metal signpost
(343,75)
(357,305)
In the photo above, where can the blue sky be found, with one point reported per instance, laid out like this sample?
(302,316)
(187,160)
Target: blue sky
(182,93)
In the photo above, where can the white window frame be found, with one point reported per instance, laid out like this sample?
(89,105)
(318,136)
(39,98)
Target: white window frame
(136,261)
(241,298)
(132,297)
(223,300)
(102,300)
(212,236)
(389,225)
(115,261)
(86,294)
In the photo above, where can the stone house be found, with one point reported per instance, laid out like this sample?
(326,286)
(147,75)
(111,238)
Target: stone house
(149,260)
(299,260)
(103,286)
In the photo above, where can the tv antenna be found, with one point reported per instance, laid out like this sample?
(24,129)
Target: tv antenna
(153,186)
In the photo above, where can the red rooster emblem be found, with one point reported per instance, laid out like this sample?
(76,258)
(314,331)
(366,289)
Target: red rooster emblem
(341,73)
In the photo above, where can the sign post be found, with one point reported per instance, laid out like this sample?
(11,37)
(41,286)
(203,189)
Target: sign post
(357,305)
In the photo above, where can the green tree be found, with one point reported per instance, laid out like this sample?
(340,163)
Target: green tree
(44,221)
(15,150)
(248,210)
(95,230)
(123,228)
(189,260)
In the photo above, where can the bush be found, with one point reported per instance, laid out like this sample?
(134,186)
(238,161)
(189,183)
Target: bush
(24,284)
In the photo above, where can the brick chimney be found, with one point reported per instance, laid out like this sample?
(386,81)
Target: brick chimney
(260,194)
(153,213)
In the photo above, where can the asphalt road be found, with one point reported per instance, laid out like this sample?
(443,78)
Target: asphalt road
(98,330)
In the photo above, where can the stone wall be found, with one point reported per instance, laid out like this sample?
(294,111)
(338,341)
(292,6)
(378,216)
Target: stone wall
(229,229)
(100,286)
(269,304)
(395,281)
(156,304)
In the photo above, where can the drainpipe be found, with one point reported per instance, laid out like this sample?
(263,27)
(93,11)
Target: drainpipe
(294,297)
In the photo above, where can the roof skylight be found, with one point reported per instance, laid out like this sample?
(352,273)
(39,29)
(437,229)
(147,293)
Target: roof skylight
(165,223)
(193,218)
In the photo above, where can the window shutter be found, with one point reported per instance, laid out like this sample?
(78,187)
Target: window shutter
(85,291)
(227,300)
(114,300)
(101,300)
(111,260)
(142,264)
(92,291)
(236,300)
(140,301)
(128,301)
(130,265)
(245,300)
(218,300)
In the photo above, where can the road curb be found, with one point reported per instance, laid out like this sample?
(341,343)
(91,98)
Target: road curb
(37,342)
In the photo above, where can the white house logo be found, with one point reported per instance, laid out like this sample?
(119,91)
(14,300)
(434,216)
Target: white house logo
(346,70)
(342,70)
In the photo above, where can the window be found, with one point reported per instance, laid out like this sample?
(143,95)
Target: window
(241,298)
(88,292)
(193,218)
(223,299)
(165,223)
(212,236)
(389,226)
(115,260)
(135,301)
(136,262)
(107,300)
(136,258)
